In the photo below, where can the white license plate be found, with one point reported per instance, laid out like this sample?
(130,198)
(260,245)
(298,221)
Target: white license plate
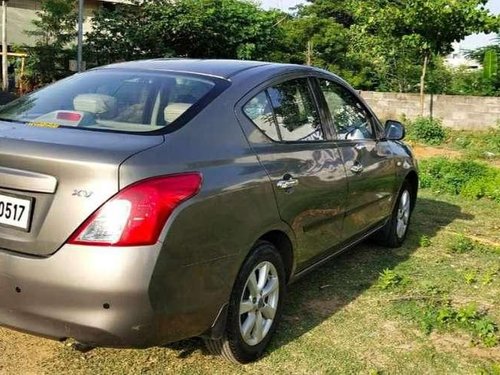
(15,211)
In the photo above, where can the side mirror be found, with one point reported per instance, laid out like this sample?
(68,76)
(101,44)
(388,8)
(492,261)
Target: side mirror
(394,130)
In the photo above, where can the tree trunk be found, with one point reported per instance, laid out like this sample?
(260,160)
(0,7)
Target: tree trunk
(422,83)
(309,53)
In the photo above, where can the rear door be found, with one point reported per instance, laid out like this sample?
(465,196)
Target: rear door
(285,128)
(367,156)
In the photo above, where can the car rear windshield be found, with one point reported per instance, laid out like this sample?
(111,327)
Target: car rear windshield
(111,100)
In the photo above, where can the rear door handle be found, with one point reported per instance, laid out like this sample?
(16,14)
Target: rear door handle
(287,184)
(357,168)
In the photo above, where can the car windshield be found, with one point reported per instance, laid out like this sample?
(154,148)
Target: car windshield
(110,100)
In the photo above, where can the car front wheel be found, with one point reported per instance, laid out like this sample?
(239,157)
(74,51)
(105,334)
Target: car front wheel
(254,308)
(394,232)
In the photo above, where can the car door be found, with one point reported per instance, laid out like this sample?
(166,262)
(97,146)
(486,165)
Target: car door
(367,158)
(305,168)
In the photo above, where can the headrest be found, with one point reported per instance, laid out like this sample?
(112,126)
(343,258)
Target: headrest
(94,103)
(174,110)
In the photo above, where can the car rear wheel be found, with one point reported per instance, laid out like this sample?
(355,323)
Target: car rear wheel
(254,308)
(395,230)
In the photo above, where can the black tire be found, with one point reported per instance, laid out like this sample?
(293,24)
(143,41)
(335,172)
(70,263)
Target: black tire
(388,235)
(232,345)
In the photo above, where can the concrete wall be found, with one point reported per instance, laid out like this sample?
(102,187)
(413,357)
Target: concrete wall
(458,112)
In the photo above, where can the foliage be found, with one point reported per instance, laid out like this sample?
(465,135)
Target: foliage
(55,25)
(470,277)
(490,64)
(443,316)
(477,145)
(389,279)
(489,275)
(388,41)
(426,130)
(479,53)
(425,241)
(470,179)
(53,30)
(461,244)
(493,369)
(463,81)
(376,45)
(184,28)
(477,82)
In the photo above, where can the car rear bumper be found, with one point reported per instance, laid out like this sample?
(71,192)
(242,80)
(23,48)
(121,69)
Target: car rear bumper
(98,296)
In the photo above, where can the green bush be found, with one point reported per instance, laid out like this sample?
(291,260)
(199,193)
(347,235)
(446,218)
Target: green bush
(427,130)
(470,179)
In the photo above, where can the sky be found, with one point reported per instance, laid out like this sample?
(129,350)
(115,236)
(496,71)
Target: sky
(471,42)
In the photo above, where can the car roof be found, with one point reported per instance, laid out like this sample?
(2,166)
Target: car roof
(212,67)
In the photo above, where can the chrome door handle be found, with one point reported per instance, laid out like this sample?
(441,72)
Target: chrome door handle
(357,168)
(287,184)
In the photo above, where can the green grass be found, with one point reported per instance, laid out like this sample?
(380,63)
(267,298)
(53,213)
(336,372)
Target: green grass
(476,144)
(371,310)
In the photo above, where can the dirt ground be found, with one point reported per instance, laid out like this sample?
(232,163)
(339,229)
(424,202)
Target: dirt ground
(422,152)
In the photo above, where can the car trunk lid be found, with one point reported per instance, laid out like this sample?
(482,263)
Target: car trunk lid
(65,173)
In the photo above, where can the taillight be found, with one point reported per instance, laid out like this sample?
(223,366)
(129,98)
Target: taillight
(136,215)
(69,116)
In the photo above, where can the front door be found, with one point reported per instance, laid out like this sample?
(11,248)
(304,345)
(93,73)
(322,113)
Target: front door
(368,159)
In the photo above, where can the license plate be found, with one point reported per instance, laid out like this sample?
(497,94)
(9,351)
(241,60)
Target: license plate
(15,211)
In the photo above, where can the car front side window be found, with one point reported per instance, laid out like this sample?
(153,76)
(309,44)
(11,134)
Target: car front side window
(350,119)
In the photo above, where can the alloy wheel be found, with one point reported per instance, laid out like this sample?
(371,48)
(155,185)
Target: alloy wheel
(259,303)
(403,214)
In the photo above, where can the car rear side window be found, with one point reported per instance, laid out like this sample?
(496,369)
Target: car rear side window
(260,111)
(286,112)
(111,100)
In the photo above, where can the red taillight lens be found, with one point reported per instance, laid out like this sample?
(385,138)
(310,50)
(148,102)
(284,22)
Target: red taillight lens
(137,214)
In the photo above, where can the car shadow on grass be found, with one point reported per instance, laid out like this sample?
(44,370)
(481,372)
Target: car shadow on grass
(329,288)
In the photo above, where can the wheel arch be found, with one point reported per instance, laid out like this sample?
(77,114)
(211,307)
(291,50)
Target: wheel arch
(283,242)
(284,245)
(412,179)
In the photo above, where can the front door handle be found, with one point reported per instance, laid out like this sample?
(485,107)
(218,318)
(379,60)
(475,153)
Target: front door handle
(357,168)
(288,183)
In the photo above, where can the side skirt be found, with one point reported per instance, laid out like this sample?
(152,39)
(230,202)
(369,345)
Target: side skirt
(328,257)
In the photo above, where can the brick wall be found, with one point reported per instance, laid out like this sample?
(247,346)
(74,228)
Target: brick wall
(458,112)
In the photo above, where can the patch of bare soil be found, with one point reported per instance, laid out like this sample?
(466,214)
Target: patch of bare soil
(461,344)
(325,307)
(23,354)
(422,152)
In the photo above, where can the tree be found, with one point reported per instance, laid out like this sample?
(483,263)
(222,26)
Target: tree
(184,28)
(54,30)
(56,22)
(429,26)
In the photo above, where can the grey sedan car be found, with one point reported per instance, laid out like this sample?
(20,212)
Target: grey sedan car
(146,202)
